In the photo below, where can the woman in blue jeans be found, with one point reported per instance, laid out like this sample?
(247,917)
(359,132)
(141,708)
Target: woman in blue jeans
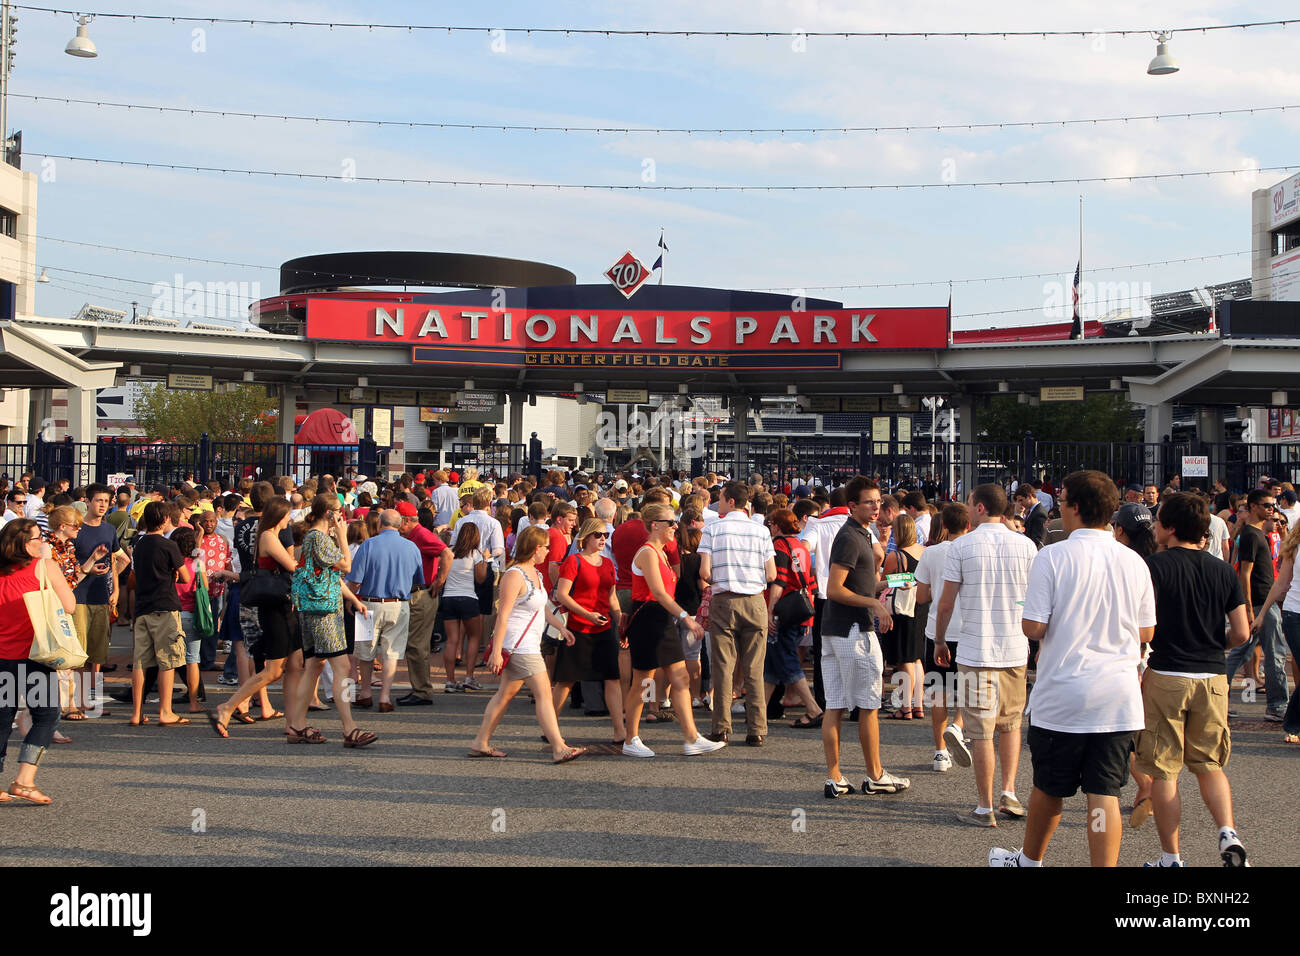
(22,555)
(793,573)
(1286,591)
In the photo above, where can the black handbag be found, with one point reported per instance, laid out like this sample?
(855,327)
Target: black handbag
(794,606)
(265,588)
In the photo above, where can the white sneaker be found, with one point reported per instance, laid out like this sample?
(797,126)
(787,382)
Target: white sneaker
(942,761)
(666,705)
(1230,849)
(888,783)
(956,741)
(1001,857)
(634,748)
(702,746)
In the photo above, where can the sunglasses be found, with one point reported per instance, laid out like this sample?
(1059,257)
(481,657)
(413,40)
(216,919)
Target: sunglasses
(599,534)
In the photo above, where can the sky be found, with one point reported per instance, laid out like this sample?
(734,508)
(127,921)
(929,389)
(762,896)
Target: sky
(808,240)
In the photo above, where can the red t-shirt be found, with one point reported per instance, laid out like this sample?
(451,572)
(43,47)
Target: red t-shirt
(16,631)
(641,590)
(591,587)
(559,546)
(431,548)
(627,541)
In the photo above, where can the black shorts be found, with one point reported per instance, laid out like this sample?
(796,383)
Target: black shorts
(593,656)
(487,593)
(928,660)
(280,634)
(1064,763)
(653,637)
(460,608)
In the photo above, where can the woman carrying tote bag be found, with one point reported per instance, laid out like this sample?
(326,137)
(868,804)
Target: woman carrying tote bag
(22,556)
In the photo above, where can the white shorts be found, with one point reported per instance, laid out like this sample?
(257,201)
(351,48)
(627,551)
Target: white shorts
(852,669)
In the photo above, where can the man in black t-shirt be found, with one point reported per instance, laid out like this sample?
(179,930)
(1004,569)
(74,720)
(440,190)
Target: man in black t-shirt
(851,660)
(1185,689)
(159,639)
(1255,572)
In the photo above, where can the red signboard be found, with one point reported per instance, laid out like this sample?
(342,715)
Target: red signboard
(628,274)
(629,330)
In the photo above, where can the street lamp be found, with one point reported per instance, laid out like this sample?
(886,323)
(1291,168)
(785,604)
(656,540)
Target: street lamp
(81,44)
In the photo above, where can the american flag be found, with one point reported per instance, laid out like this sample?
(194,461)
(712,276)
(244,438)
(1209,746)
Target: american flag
(1076,330)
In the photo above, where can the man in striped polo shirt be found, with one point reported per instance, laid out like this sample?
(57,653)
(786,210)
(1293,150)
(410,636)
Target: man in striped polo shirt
(989,568)
(737,558)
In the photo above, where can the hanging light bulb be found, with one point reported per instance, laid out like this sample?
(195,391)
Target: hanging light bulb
(1163,63)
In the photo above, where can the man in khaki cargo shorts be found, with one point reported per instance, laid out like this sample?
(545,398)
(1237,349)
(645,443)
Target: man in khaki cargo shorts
(1185,688)
(159,639)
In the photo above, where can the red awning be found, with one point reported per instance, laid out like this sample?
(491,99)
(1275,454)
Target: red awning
(328,426)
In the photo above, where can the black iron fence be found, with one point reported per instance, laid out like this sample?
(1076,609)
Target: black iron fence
(489,457)
(152,463)
(962,465)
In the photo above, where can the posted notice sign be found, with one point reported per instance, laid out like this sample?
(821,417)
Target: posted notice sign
(1196,466)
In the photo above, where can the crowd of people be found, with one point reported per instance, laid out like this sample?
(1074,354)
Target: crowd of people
(1111,622)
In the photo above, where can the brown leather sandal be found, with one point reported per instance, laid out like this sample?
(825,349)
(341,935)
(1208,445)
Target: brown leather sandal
(359,738)
(30,794)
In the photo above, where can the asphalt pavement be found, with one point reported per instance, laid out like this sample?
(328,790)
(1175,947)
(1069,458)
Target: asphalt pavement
(182,796)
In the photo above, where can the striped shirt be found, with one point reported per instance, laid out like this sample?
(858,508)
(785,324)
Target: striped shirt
(738,552)
(992,566)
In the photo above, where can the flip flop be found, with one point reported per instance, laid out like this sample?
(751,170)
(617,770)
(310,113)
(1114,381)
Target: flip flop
(805,722)
(315,708)
(243,718)
(573,754)
(1141,810)
(174,723)
(74,715)
(275,716)
(486,753)
(218,727)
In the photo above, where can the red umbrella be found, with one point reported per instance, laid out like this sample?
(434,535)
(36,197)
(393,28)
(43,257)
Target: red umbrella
(328,426)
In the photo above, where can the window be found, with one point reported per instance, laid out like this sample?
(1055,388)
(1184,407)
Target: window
(8,223)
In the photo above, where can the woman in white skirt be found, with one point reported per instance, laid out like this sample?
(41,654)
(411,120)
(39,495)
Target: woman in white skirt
(516,649)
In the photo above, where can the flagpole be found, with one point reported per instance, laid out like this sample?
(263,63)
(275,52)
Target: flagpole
(1081,335)
(663,249)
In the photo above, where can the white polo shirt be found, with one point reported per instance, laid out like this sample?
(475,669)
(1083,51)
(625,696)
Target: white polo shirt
(929,570)
(819,534)
(1093,593)
(992,566)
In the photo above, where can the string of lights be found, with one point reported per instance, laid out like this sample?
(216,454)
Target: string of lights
(1027,275)
(652,32)
(656,187)
(868,285)
(655,130)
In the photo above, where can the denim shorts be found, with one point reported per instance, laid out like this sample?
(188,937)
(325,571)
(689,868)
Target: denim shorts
(781,665)
(460,608)
(193,642)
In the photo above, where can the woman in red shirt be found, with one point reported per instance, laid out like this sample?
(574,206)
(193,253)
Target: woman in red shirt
(586,591)
(21,548)
(794,573)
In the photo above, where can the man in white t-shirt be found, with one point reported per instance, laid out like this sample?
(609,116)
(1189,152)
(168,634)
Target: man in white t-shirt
(989,568)
(1092,605)
(1286,504)
(1218,540)
(819,534)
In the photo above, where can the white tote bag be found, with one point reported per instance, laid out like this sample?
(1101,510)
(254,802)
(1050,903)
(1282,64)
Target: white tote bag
(55,643)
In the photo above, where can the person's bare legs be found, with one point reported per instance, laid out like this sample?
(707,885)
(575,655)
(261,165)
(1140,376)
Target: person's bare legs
(367,672)
(540,685)
(192,685)
(1044,817)
(560,693)
(614,704)
(341,670)
(1009,756)
(831,720)
(137,694)
(680,693)
(1167,805)
(451,650)
(1104,829)
(495,710)
(811,710)
(473,634)
(296,695)
(257,683)
(1217,794)
(869,737)
(982,760)
(166,680)
(632,703)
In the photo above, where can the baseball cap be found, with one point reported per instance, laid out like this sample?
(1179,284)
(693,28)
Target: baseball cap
(1132,516)
(454,478)
(803,491)
(1134,487)
(583,487)
(1287,496)
(360,478)
(620,484)
(419,476)
(406,509)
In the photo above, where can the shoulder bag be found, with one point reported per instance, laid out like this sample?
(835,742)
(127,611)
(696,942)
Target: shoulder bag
(793,607)
(316,586)
(203,619)
(54,642)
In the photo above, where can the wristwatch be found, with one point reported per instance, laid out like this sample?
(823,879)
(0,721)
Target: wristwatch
(683,615)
